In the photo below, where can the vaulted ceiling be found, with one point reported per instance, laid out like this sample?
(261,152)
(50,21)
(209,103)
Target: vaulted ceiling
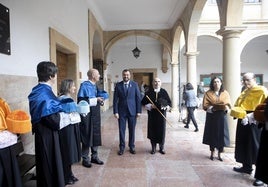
(138,14)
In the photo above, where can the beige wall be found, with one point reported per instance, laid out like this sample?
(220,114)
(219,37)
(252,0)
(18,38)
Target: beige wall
(15,90)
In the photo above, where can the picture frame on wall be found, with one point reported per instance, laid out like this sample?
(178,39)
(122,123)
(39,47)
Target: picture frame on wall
(4,30)
(206,78)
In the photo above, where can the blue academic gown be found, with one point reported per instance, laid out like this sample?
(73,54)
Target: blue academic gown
(44,109)
(90,128)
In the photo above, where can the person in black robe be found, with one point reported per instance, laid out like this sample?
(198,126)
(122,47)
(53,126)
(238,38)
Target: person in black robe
(90,127)
(47,117)
(247,133)
(9,168)
(261,173)
(70,135)
(156,100)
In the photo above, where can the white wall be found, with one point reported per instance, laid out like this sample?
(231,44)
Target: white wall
(29,30)
(120,57)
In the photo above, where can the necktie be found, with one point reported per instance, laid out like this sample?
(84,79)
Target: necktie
(125,88)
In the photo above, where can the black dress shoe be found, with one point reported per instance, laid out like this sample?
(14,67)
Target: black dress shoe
(132,151)
(162,151)
(211,157)
(258,182)
(196,130)
(220,159)
(242,170)
(120,152)
(97,161)
(69,182)
(74,178)
(86,164)
(153,151)
(186,126)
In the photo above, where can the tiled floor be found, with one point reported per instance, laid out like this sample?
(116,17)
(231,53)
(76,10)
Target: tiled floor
(185,164)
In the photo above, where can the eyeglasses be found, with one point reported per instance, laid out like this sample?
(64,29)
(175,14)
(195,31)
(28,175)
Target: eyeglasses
(247,80)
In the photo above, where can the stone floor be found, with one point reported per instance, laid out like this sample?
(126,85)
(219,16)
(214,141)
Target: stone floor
(186,162)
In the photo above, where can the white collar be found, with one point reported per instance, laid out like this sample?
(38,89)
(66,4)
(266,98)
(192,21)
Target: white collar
(92,82)
(157,90)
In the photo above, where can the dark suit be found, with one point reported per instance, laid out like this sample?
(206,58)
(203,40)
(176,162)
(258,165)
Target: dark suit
(127,105)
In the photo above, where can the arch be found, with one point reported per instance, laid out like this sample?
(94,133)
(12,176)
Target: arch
(125,34)
(193,22)
(251,37)
(176,42)
(214,36)
(253,56)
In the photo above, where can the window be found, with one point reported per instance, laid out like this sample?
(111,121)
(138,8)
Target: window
(252,1)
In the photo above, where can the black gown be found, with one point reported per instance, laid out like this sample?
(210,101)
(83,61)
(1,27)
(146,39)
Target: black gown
(156,130)
(9,169)
(90,127)
(70,147)
(44,109)
(49,167)
(70,140)
(247,143)
(261,172)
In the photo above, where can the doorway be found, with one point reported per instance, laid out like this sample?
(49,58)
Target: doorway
(64,53)
(146,77)
(145,74)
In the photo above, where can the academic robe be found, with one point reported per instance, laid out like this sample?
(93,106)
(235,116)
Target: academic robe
(216,132)
(44,109)
(9,168)
(261,172)
(156,123)
(90,127)
(248,136)
(70,139)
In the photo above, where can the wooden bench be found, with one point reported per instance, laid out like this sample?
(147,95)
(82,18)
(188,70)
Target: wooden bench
(26,161)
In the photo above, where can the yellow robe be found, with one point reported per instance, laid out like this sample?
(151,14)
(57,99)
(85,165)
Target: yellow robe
(250,98)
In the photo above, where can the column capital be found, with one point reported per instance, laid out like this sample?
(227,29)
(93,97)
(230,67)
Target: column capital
(189,54)
(231,32)
(174,64)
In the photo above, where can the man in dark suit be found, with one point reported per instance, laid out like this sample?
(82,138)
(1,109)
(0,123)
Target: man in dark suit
(126,108)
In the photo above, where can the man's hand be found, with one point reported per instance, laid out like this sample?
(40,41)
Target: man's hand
(244,121)
(116,116)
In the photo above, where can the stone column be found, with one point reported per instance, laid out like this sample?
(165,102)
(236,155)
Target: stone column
(174,86)
(264,9)
(231,69)
(191,68)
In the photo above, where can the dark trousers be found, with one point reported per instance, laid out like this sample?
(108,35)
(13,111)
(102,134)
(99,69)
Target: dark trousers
(131,120)
(191,116)
(161,145)
(220,149)
(85,152)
